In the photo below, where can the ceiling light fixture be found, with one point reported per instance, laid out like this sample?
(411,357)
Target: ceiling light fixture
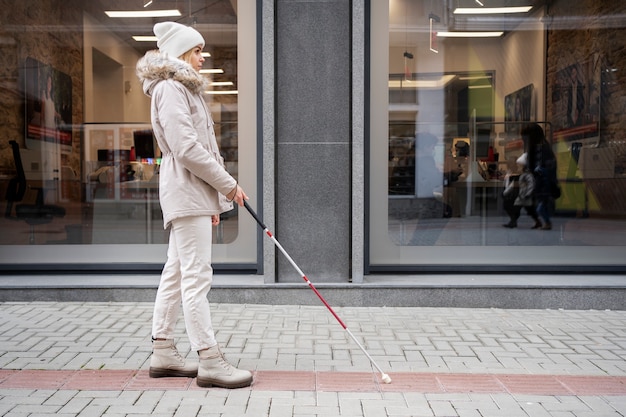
(145,38)
(432,34)
(477,2)
(470,34)
(475,77)
(212,71)
(147,3)
(425,82)
(492,10)
(222,92)
(205,54)
(143,13)
(221,83)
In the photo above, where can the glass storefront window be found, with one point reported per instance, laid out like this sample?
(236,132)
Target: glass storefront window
(80,176)
(451,88)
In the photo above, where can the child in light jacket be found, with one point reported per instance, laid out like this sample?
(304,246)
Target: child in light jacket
(518,193)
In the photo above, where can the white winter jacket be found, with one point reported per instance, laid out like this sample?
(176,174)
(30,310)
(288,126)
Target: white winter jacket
(193,180)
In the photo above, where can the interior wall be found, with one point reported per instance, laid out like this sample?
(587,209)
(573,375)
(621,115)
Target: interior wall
(108,88)
(135,104)
(523,63)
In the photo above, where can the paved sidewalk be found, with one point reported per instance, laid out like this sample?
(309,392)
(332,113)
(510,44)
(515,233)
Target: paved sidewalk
(91,359)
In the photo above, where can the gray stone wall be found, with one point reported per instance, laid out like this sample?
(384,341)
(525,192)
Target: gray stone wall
(313,138)
(59,45)
(598,32)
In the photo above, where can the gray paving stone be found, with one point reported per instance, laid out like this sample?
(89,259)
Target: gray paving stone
(92,411)
(74,406)
(280,410)
(443,408)
(30,409)
(72,336)
(60,397)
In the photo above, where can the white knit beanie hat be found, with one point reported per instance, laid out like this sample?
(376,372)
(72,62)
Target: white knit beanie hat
(176,39)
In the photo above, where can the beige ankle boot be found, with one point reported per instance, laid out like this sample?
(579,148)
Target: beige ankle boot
(214,370)
(167,362)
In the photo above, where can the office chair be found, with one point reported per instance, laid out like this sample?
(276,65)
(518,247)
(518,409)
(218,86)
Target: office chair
(32,214)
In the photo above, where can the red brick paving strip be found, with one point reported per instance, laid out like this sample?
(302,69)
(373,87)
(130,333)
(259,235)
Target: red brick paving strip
(133,380)
(30,379)
(284,381)
(111,380)
(346,382)
(143,382)
(595,385)
(5,373)
(470,383)
(535,384)
(412,382)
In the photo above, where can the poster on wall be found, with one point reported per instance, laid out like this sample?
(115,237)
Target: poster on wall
(576,101)
(518,109)
(48,105)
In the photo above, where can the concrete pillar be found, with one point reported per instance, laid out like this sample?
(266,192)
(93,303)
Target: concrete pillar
(313,138)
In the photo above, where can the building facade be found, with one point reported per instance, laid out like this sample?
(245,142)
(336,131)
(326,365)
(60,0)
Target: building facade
(373,137)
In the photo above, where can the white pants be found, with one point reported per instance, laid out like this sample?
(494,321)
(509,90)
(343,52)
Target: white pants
(186,278)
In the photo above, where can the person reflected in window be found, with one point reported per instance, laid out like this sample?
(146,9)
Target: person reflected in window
(431,182)
(194,189)
(542,163)
(429,178)
(518,192)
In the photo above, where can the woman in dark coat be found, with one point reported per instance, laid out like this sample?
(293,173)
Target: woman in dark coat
(542,163)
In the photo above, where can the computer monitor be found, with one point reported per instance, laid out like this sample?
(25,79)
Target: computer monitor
(144,144)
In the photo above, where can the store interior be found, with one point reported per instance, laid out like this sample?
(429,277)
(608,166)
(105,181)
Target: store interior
(88,174)
(475,94)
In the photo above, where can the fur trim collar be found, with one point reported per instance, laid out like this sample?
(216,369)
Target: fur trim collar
(155,66)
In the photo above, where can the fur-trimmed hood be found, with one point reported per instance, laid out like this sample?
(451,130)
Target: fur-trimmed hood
(193,180)
(155,66)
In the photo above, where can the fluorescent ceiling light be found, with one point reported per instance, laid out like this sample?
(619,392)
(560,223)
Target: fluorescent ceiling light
(221,83)
(212,71)
(474,87)
(475,77)
(423,83)
(222,92)
(149,2)
(491,10)
(469,34)
(143,13)
(145,38)
(205,54)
